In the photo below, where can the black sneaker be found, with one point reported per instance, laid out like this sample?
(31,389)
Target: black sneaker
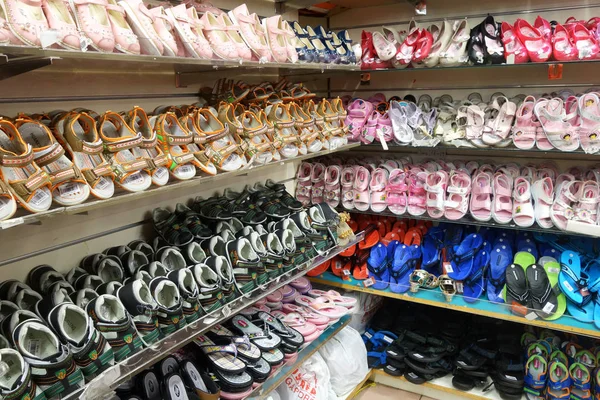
(167,226)
(109,288)
(142,246)
(88,282)
(193,254)
(304,248)
(90,350)
(109,269)
(156,269)
(191,220)
(222,267)
(209,285)
(10,288)
(83,297)
(75,273)
(215,246)
(61,285)
(142,274)
(246,210)
(188,289)
(170,310)
(213,209)
(286,198)
(7,308)
(172,259)
(44,306)
(9,323)
(131,261)
(286,238)
(245,262)
(318,238)
(142,307)
(42,277)
(26,299)
(22,387)
(324,225)
(113,322)
(275,255)
(4,343)
(52,366)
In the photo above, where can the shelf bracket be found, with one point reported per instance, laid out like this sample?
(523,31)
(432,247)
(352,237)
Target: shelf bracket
(10,67)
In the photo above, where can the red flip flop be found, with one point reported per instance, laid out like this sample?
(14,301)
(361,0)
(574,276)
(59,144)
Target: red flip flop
(339,264)
(319,269)
(389,237)
(371,238)
(349,252)
(413,236)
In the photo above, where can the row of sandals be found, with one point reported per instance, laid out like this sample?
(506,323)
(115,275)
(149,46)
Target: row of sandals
(65,156)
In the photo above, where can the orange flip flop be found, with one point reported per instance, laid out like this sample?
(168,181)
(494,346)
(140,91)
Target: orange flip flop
(319,269)
(400,225)
(360,265)
(371,238)
(339,264)
(349,252)
(353,225)
(389,237)
(413,236)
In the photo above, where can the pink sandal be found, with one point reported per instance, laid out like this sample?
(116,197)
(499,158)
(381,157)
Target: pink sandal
(396,188)
(379,179)
(526,126)
(436,191)
(502,203)
(332,185)
(459,189)
(323,306)
(481,197)
(586,210)
(318,183)
(542,192)
(589,109)
(347,180)
(358,113)
(417,196)
(361,189)
(344,301)
(304,187)
(522,213)
(319,321)
(305,328)
(561,134)
(567,196)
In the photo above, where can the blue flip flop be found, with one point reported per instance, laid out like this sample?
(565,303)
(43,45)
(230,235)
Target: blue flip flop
(473,284)
(377,264)
(504,237)
(529,246)
(571,278)
(583,313)
(501,257)
(431,255)
(548,251)
(462,260)
(489,234)
(452,237)
(405,262)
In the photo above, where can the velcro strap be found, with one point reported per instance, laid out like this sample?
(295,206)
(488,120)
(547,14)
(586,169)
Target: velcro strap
(27,186)
(54,154)
(149,143)
(69,173)
(92,175)
(173,140)
(209,138)
(18,161)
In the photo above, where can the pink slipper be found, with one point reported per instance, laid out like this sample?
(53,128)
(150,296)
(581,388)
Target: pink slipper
(567,196)
(347,181)
(459,189)
(323,306)
(332,185)
(361,189)
(318,183)
(526,125)
(287,291)
(396,192)
(542,192)
(379,179)
(304,187)
(274,297)
(586,210)
(481,197)
(358,113)
(436,191)
(301,284)
(319,321)
(344,301)
(522,214)
(502,203)
(370,131)
(299,323)
(589,109)
(260,302)
(417,201)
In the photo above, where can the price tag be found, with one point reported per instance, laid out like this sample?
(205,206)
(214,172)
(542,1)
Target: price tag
(160,173)
(510,59)
(71,189)
(368,335)
(459,287)
(388,339)
(548,308)
(448,267)
(368,282)
(531,316)
(39,198)
(382,140)
(419,356)
(392,352)
(134,179)
(186,169)
(103,183)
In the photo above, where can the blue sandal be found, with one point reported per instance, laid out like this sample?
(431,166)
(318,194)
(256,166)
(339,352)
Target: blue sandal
(405,262)
(378,267)
(462,259)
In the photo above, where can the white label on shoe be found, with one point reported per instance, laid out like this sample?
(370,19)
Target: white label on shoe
(103,184)
(417,355)
(368,335)
(459,287)
(387,339)
(134,179)
(568,286)
(448,268)
(11,222)
(461,362)
(33,346)
(186,169)
(39,197)
(369,138)
(413,375)
(382,139)
(531,316)
(510,59)
(69,190)
(510,377)
(392,353)
(346,272)
(553,270)
(390,368)
(160,173)
(369,282)
(548,308)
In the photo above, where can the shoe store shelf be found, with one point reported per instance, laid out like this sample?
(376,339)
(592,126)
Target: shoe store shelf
(116,375)
(358,388)
(440,388)
(123,196)
(507,152)
(279,376)
(593,231)
(483,307)
(95,60)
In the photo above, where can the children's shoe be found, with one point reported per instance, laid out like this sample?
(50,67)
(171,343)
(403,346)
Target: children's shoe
(23,387)
(304,187)
(90,350)
(114,323)
(536,374)
(221,266)
(139,303)
(52,366)
(94,25)
(184,279)
(170,310)
(317,183)
(210,289)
